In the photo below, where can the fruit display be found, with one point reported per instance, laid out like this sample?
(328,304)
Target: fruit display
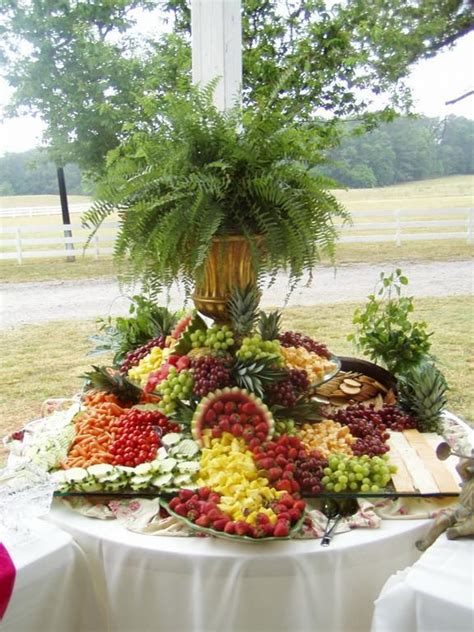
(231,425)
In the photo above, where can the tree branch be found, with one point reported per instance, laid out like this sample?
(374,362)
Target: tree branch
(463,96)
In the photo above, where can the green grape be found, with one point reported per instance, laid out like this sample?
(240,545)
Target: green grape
(362,473)
(259,349)
(177,386)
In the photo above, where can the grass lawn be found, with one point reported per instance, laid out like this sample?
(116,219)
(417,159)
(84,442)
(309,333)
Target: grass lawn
(44,361)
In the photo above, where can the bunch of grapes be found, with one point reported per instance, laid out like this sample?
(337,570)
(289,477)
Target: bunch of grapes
(310,471)
(286,392)
(295,339)
(285,427)
(178,385)
(371,435)
(218,338)
(210,373)
(256,348)
(133,357)
(364,473)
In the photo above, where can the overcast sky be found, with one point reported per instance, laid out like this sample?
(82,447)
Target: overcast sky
(433,81)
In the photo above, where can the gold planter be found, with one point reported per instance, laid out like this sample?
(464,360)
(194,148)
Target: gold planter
(229,264)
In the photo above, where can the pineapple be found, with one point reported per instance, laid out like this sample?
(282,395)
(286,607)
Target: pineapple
(422,394)
(253,375)
(242,307)
(269,325)
(105,379)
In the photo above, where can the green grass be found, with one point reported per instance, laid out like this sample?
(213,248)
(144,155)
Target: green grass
(44,361)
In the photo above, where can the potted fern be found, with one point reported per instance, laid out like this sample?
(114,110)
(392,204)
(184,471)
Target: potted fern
(217,200)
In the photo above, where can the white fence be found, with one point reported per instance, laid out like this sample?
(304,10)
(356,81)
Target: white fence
(33,211)
(21,242)
(67,240)
(400,226)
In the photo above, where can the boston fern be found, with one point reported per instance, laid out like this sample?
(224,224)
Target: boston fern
(197,173)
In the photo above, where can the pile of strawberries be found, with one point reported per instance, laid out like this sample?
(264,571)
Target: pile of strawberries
(201,508)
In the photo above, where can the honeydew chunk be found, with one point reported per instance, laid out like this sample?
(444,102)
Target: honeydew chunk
(170,439)
(162,480)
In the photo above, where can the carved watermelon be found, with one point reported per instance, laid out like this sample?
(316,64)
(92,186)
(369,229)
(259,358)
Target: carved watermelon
(183,330)
(233,410)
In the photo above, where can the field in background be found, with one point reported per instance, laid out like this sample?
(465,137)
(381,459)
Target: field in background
(44,361)
(443,193)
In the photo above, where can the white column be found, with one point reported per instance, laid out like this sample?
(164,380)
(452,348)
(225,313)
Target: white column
(216,29)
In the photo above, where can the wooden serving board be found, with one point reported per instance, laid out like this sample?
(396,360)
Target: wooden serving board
(418,468)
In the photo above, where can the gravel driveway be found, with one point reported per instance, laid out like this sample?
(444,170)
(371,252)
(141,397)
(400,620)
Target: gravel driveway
(29,303)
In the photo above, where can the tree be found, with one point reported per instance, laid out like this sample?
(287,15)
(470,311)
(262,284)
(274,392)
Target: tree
(87,77)
(73,63)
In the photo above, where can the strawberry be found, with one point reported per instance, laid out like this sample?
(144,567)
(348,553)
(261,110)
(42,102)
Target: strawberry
(237,430)
(230,528)
(262,518)
(204,492)
(295,514)
(274,473)
(215,514)
(229,408)
(282,529)
(284,485)
(219,525)
(180,509)
(241,527)
(174,501)
(210,416)
(186,494)
(248,408)
(203,521)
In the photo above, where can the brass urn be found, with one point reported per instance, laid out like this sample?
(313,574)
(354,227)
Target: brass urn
(229,264)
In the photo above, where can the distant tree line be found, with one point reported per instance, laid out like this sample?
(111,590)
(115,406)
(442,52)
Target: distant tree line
(28,173)
(404,150)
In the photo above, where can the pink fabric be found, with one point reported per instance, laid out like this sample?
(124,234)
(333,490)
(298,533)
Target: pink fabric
(7,579)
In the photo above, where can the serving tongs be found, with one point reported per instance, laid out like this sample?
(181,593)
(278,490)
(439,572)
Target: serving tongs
(335,511)
(329,531)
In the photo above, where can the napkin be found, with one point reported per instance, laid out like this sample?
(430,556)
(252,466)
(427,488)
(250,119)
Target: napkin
(7,579)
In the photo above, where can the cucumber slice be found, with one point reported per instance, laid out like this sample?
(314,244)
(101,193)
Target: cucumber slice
(162,480)
(188,467)
(187,448)
(100,470)
(168,465)
(143,468)
(170,439)
(76,474)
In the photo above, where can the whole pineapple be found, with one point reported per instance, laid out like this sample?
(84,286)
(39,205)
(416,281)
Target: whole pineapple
(103,378)
(422,394)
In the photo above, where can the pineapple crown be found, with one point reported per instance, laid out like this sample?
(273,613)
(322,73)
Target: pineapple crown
(242,307)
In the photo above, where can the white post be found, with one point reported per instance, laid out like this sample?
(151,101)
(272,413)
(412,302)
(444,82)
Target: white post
(19,255)
(216,28)
(398,236)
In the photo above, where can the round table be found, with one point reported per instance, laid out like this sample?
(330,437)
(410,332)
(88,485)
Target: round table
(54,589)
(192,584)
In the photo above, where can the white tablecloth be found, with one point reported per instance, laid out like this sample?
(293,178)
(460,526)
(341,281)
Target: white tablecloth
(54,589)
(436,594)
(207,584)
